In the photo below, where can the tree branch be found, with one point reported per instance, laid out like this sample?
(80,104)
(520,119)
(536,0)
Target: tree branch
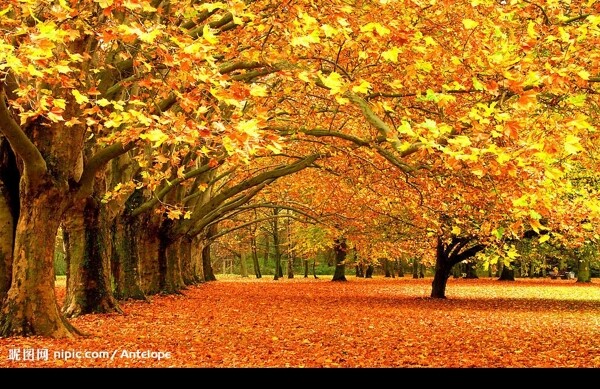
(169,186)
(35,165)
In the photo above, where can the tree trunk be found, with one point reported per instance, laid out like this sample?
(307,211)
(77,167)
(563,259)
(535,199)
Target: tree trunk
(583,268)
(85,237)
(125,258)
(169,264)
(196,253)
(290,267)
(207,268)
(508,274)
(7,228)
(457,270)
(255,261)
(267,251)
(400,268)
(275,225)
(386,267)
(442,272)
(369,271)
(360,270)
(314,266)
(243,265)
(448,255)
(9,213)
(187,271)
(415,268)
(471,270)
(30,307)
(305,268)
(340,248)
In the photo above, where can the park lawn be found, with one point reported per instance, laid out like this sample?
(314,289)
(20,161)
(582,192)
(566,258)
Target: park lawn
(379,322)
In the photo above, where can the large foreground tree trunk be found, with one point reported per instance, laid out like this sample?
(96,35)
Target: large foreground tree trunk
(87,246)
(30,307)
(448,255)
(9,213)
(340,249)
(6,245)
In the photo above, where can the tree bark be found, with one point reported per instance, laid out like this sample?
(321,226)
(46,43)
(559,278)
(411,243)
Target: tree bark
(507,274)
(207,268)
(360,271)
(88,261)
(243,265)
(255,262)
(447,256)
(9,213)
(471,270)
(187,269)
(369,271)
(169,263)
(275,225)
(125,258)
(340,248)
(583,267)
(386,267)
(415,268)
(30,307)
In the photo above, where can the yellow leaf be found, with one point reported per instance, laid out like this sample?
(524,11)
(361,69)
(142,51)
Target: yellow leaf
(391,54)
(333,81)
(55,117)
(470,24)
(250,127)
(258,90)
(306,40)
(79,98)
(405,128)
(207,33)
(477,84)
(531,30)
(362,88)
(34,72)
(460,140)
(543,238)
(584,74)
(304,76)
(174,214)
(105,3)
(456,230)
(381,30)
(103,102)
(329,30)
(156,136)
(60,103)
(572,145)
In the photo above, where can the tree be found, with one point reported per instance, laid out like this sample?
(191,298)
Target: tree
(340,248)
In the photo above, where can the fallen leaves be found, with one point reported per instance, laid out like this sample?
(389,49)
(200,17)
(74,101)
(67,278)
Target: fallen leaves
(379,322)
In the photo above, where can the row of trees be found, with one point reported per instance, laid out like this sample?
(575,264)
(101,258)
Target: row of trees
(147,129)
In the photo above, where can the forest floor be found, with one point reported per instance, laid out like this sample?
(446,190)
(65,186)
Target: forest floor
(307,322)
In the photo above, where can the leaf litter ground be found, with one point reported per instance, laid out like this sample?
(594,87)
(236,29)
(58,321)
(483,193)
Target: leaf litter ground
(379,322)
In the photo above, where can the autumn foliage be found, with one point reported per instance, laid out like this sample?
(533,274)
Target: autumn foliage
(376,322)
